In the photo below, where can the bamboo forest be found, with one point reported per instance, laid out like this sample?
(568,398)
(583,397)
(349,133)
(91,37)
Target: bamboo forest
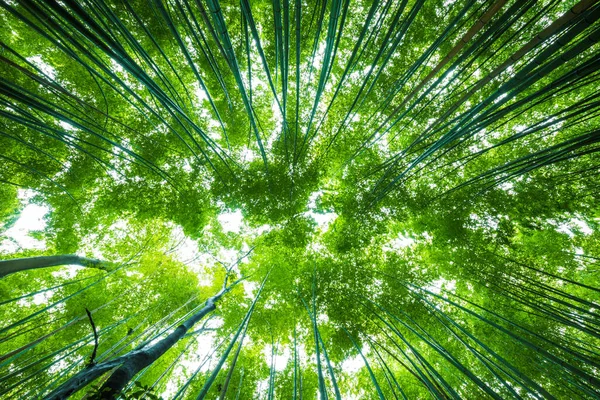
(299,199)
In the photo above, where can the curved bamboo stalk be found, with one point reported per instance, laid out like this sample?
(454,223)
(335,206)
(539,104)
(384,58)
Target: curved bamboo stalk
(25,264)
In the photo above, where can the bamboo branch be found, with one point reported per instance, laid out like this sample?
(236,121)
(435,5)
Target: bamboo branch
(91,363)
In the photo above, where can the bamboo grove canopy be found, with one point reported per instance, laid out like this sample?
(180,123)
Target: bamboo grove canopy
(357,199)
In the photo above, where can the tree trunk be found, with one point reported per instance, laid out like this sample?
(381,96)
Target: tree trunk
(142,358)
(128,365)
(23,264)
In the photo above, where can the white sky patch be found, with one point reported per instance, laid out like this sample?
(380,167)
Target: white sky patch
(119,229)
(31,219)
(117,178)
(502,96)
(320,54)
(312,200)
(261,388)
(277,115)
(402,241)
(270,304)
(354,364)
(214,131)
(186,166)
(204,110)
(439,284)
(198,358)
(58,366)
(206,344)
(566,229)
(116,66)
(520,128)
(262,229)
(382,145)
(186,250)
(231,221)
(37,299)
(507,187)
(280,360)
(574,224)
(229,257)
(487,221)
(322,318)
(323,219)
(316,247)
(270,141)
(249,289)
(42,65)
(582,226)
(257,82)
(67,126)
(200,259)
(247,155)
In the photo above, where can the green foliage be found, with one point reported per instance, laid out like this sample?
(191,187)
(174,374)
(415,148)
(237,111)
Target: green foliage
(418,184)
(136,392)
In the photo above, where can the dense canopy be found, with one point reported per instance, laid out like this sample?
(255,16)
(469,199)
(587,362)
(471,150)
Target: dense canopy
(357,199)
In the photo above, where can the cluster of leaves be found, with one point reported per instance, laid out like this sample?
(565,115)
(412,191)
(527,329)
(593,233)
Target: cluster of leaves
(137,392)
(417,180)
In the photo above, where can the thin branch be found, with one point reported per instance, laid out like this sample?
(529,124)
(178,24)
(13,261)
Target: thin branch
(91,363)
